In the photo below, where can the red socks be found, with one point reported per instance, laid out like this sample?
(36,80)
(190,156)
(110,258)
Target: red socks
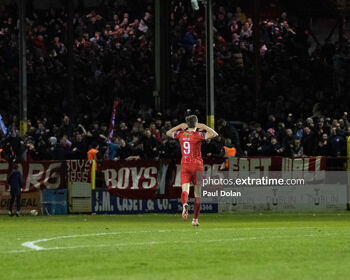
(184,197)
(197,207)
(197,203)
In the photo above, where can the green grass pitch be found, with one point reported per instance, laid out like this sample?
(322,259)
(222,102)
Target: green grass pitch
(230,246)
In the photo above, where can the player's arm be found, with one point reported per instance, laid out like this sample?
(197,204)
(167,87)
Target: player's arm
(170,132)
(211,133)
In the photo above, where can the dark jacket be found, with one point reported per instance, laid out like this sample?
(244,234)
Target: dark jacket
(231,132)
(150,145)
(322,149)
(15,182)
(337,145)
(309,142)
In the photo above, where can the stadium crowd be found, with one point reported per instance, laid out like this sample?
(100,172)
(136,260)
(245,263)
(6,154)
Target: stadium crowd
(141,139)
(301,110)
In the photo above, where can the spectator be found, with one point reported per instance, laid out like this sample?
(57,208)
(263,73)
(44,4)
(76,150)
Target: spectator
(150,145)
(79,147)
(308,142)
(92,153)
(66,127)
(15,182)
(337,146)
(113,148)
(297,149)
(288,142)
(125,150)
(56,151)
(276,148)
(228,131)
(323,147)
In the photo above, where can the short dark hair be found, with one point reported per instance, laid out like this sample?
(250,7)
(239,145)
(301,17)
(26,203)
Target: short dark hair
(191,121)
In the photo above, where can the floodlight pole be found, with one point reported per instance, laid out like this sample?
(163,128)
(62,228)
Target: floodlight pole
(209,64)
(22,68)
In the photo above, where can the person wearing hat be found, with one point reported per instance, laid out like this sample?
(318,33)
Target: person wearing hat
(56,150)
(271,131)
(15,182)
(53,141)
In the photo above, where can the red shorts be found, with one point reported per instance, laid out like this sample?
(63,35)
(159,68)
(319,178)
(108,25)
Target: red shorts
(189,173)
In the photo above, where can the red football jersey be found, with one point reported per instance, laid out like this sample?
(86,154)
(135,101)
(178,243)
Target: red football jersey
(190,142)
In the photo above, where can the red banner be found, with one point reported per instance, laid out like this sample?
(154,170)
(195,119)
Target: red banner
(79,170)
(278,164)
(161,179)
(144,179)
(131,179)
(38,175)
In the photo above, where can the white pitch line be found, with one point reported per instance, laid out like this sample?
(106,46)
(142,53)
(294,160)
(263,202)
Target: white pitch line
(172,242)
(32,244)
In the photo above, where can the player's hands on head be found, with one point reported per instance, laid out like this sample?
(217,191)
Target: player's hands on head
(183,126)
(200,125)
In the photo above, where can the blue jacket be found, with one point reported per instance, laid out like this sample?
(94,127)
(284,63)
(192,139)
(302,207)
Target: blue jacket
(189,41)
(113,150)
(15,182)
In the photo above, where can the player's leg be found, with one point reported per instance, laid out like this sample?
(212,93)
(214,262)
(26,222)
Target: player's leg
(198,174)
(184,199)
(18,205)
(185,183)
(197,204)
(12,200)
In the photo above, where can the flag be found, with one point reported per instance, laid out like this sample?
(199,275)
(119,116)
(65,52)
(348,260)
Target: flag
(163,169)
(2,126)
(112,123)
